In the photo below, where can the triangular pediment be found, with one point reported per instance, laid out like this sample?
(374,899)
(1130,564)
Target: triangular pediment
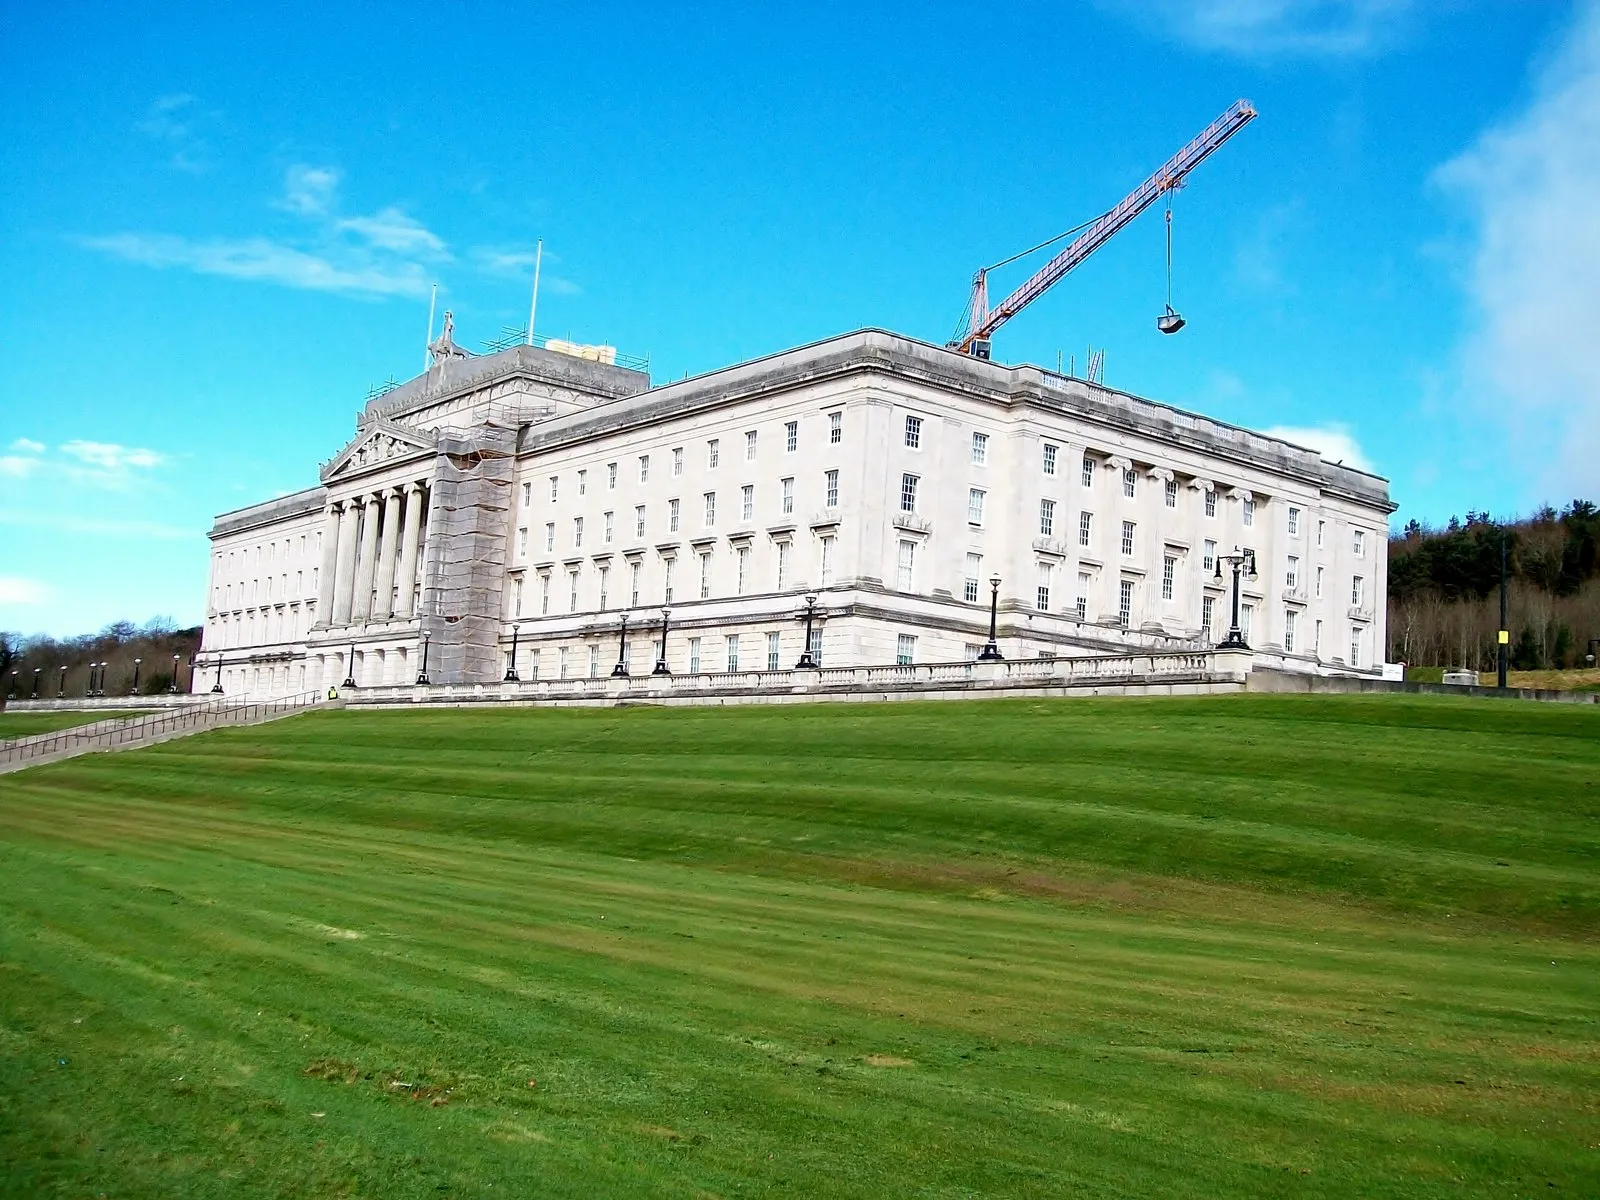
(380,443)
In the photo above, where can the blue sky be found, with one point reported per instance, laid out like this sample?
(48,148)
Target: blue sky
(217,232)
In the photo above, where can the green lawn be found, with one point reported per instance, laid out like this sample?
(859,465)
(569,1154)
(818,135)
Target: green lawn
(26,724)
(1251,945)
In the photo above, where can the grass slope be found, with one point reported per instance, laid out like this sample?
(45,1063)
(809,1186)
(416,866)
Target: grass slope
(26,724)
(1255,945)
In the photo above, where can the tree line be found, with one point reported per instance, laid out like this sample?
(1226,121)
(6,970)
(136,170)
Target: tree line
(62,666)
(1444,590)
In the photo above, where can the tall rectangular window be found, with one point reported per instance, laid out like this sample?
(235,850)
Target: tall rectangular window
(908,493)
(905,650)
(774,650)
(1319,583)
(1316,639)
(1247,616)
(1047,518)
(705,574)
(1208,560)
(1211,502)
(747,502)
(786,491)
(549,536)
(980,449)
(555,484)
(1130,481)
(733,652)
(1085,527)
(522,542)
(577,533)
(572,591)
(905,565)
(1088,471)
(827,560)
(644,468)
(784,549)
(1248,512)
(1127,537)
(1049,459)
(1294,521)
(674,512)
(970,582)
(914,432)
(815,644)
(668,565)
(1083,596)
(1042,594)
(544,594)
(611,527)
(1358,542)
(561,662)
(633,584)
(711,509)
(1169,569)
(583,483)
(605,584)
(1291,621)
(1357,591)
(743,559)
(1208,613)
(594,661)
(527,494)
(611,477)
(1291,575)
(638,520)
(1170,492)
(975,506)
(1322,528)
(830,481)
(791,436)
(713,453)
(1125,603)
(694,656)
(1356,641)
(750,446)
(835,428)
(677,461)
(516,596)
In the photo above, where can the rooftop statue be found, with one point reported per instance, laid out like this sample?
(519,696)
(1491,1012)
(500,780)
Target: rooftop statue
(445,347)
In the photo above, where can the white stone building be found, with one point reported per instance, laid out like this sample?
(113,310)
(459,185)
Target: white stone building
(545,494)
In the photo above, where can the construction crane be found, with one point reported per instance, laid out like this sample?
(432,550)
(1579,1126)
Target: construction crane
(980,322)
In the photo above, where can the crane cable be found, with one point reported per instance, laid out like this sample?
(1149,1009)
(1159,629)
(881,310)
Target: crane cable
(964,325)
(1169,250)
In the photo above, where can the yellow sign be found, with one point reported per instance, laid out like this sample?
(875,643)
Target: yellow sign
(1505,638)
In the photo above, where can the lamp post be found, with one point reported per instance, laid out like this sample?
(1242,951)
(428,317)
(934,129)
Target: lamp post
(35,693)
(807,663)
(422,675)
(991,649)
(511,667)
(94,680)
(216,688)
(620,671)
(100,680)
(1503,636)
(1589,657)
(134,690)
(172,688)
(1237,560)
(661,657)
(350,668)
(12,694)
(61,687)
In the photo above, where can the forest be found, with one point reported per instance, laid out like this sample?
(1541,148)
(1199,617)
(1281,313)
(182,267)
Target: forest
(59,667)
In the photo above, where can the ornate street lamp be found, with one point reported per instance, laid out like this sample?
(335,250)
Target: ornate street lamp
(511,667)
(422,675)
(216,688)
(991,649)
(134,690)
(620,671)
(35,694)
(350,669)
(61,687)
(661,658)
(806,662)
(172,688)
(1238,560)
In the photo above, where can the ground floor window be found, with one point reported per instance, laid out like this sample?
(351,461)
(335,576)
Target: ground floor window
(1125,603)
(773,661)
(816,646)
(733,652)
(1208,615)
(694,656)
(1357,638)
(905,650)
(1291,621)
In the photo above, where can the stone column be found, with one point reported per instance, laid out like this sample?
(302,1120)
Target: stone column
(408,549)
(387,548)
(330,565)
(361,607)
(345,572)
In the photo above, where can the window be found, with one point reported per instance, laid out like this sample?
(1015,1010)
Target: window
(1208,561)
(914,432)
(674,511)
(1169,568)
(1316,639)
(1319,583)
(1322,527)
(633,584)
(1358,542)
(562,662)
(743,557)
(783,564)
(980,449)
(1291,620)
(1357,590)
(711,509)
(1042,595)
(1247,614)
(827,561)
(1208,613)
(605,582)
(1083,596)
(667,567)
(1085,525)
(733,652)
(1049,459)
(905,650)
(594,662)
(815,645)
(975,506)
(549,536)
(1170,491)
(1355,645)
(1291,576)
(791,436)
(830,482)
(786,487)
(1088,471)
(694,656)
(713,453)
(1047,518)
(677,461)
(644,468)
(522,542)
(516,596)
(1249,512)
(1125,603)
(583,483)
(638,520)
(747,502)
(555,486)
(544,594)
(527,494)
(611,477)
(611,527)
(905,564)
(1127,537)
(773,651)
(1211,502)
(969,584)
(705,574)
(577,533)
(835,428)
(750,446)
(908,493)
(1294,521)
(572,591)
(1130,482)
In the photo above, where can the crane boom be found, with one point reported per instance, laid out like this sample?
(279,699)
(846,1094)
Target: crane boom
(982,321)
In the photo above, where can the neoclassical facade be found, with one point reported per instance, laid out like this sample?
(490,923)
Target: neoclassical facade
(537,512)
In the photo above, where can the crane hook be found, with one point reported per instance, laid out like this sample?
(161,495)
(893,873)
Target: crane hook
(1170,321)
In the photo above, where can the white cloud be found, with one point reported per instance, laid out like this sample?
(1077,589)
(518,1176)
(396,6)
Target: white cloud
(309,191)
(1265,28)
(14,466)
(17,590)
(518,264)
(1531,363)
(391,229)
(267,261)
(27,446)
(109,456)
(1335,443)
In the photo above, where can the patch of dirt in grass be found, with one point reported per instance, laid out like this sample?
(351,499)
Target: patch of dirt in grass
(887,1060)
(514,1134)
(339,1070)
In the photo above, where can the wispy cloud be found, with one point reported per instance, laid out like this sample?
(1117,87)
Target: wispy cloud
(14,589)
(391,229)
(1274,28)
(15,466)
(518,264)
(109,456)
(1335,443)
(267,261)
(309,191)
(171,121)
(1531,364)
(27,446)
